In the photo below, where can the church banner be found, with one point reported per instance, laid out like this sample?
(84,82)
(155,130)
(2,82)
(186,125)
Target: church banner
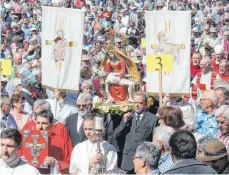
(62,42)
(35,147)
(169,33)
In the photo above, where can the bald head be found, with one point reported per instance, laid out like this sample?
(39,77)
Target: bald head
(17,58)
(205,65)
(211,95)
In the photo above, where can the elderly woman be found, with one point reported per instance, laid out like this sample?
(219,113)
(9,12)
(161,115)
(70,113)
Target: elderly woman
(87,87)
(171,116)
(19,115)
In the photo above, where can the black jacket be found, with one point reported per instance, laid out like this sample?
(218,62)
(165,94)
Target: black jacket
(135,135)
(190,166)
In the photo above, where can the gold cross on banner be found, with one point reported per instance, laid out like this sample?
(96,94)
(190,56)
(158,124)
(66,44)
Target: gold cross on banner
(60,44)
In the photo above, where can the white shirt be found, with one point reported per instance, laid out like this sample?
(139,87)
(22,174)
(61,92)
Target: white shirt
(83,151)
(16,167)
(62,111)
(79,123)
(140,116)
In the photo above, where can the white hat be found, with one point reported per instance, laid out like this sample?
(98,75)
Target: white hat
(3,78)
(218,49)
(34,28)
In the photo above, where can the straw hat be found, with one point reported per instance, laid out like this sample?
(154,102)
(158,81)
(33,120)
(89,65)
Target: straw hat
(213,150)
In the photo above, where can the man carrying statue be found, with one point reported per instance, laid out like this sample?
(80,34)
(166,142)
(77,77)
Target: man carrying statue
(119,86)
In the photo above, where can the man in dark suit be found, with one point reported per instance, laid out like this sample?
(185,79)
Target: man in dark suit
(183,152)
(136,126)
(74,121)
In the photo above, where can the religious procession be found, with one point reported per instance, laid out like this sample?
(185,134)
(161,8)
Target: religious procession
(114,87)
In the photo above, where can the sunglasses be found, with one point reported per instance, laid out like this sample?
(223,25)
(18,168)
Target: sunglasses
(84,105)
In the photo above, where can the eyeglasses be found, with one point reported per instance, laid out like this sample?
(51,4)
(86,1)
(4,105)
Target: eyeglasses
(203,99)
(134,157)
(84,106)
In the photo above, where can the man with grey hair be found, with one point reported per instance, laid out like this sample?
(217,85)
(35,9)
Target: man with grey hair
(222,94)
(203,80)
(222,118)
(161,138)
(146,159)
(74,122)
(41,105)
(136,126)
(224,69)
(206,120)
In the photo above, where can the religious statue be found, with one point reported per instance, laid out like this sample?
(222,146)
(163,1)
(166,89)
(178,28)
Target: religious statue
(60,49)
(119,86)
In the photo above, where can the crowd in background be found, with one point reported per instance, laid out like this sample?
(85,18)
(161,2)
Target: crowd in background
(188,134)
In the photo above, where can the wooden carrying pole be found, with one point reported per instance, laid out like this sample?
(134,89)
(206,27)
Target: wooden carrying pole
(160,87)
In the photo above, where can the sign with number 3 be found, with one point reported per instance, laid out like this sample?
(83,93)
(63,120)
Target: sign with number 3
(157,62)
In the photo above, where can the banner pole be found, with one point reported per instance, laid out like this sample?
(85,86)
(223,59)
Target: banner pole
(160,88)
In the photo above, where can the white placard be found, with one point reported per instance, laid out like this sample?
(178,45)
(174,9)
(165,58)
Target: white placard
(169,32)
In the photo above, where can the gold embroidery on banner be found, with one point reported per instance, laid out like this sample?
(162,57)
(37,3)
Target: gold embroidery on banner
(71,44)
(48,42)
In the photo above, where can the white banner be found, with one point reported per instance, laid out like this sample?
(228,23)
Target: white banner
(62,42)
(169,32)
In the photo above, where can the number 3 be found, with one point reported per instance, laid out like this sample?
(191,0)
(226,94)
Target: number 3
(159,62)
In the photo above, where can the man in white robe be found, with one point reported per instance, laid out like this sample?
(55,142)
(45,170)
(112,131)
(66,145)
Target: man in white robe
(85,155)
(206,74)
(10,163)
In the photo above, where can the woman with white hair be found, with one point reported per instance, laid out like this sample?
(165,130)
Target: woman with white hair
(87,87)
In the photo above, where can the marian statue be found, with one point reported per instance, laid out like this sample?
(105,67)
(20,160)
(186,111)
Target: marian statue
(122,75)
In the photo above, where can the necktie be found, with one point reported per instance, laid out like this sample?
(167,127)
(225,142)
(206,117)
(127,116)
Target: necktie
(137,119)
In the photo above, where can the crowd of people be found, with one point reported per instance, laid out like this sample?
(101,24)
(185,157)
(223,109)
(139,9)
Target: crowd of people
(189,134)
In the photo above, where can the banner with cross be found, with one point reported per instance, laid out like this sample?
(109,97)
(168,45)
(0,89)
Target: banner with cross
(62,36)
